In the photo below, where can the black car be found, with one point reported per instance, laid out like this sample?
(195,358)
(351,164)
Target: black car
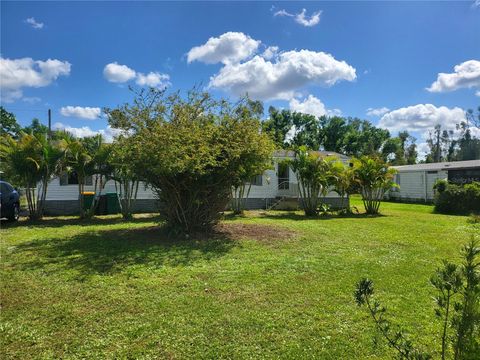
(9,202)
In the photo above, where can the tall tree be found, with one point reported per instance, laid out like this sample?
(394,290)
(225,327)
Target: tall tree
(36,127)
(400,150)
(439,142)
(363,138)
(332,133)
(8,122)
(278,125)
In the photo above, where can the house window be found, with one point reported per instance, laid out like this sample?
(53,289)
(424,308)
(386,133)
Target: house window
(256,180)
(397,180)
(464,176)
(283,176)
(71,178)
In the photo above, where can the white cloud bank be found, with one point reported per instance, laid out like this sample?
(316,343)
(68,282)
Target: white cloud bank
(85,131)
(270,75)
(36,25)
(119,74)
(89,113)
(17,74)
(279,79)
(312,106)
(302,18)
(378,111)
(422,118)
(230,47)
(465,75)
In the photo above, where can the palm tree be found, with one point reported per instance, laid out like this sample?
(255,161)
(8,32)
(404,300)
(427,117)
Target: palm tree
(343,182)
(314,174)
(31,160)
(374,178)
(88,157)
(78,160)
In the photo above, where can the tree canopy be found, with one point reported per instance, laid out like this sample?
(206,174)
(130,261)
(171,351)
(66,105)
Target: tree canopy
(192,150)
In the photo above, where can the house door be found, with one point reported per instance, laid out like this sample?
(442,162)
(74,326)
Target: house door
(283,177)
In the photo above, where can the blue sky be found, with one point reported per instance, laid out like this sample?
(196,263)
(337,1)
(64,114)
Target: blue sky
(337,57)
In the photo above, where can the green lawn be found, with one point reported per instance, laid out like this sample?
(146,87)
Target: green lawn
(110,289)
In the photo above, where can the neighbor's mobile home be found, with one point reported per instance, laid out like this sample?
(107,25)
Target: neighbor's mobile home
(416,181)
(277,187)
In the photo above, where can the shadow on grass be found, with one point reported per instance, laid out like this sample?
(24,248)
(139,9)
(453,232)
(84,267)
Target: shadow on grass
(111,251)
(53,222)
(301,217)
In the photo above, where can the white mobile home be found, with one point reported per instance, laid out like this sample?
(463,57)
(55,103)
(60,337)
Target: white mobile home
(269,189)
(416,181)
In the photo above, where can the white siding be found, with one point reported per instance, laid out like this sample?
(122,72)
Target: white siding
(56,191)
(268,189)
(412,184)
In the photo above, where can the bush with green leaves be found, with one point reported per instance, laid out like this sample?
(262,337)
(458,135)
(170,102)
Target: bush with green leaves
(457,199)
(374,178)
(192,150)
(457,307)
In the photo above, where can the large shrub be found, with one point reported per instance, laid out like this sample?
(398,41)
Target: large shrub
(192,151)
(457,199)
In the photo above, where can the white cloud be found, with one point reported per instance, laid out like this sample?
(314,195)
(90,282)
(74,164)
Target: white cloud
(89,113)
(476,4)
(270,52)
(377,112)
(478,92)
(153,79)
(302,18)
(422,118)
(465,75)
(313,106)
(116,73)
(279,79)
(16,74)
(230,47)
(36,25)
(85,131)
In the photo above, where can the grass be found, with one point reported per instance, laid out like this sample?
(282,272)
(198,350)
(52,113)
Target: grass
(114,289)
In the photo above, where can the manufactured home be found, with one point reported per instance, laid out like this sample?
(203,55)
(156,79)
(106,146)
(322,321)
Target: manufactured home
(276,188)
(416,181)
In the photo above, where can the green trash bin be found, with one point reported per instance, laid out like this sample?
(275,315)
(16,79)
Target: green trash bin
(112,203)
(87,199)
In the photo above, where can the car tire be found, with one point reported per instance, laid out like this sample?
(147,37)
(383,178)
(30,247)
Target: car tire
(15,213)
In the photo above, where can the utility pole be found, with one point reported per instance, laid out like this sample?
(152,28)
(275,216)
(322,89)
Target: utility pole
(49,124)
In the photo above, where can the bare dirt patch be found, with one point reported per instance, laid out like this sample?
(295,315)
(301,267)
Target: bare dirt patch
(266,233)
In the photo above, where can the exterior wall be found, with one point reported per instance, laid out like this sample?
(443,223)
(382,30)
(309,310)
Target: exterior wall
(63,199)
(56,191)
(416,185)
(70,207)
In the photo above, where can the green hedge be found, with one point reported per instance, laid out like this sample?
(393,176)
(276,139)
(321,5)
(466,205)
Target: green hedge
(457,199)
